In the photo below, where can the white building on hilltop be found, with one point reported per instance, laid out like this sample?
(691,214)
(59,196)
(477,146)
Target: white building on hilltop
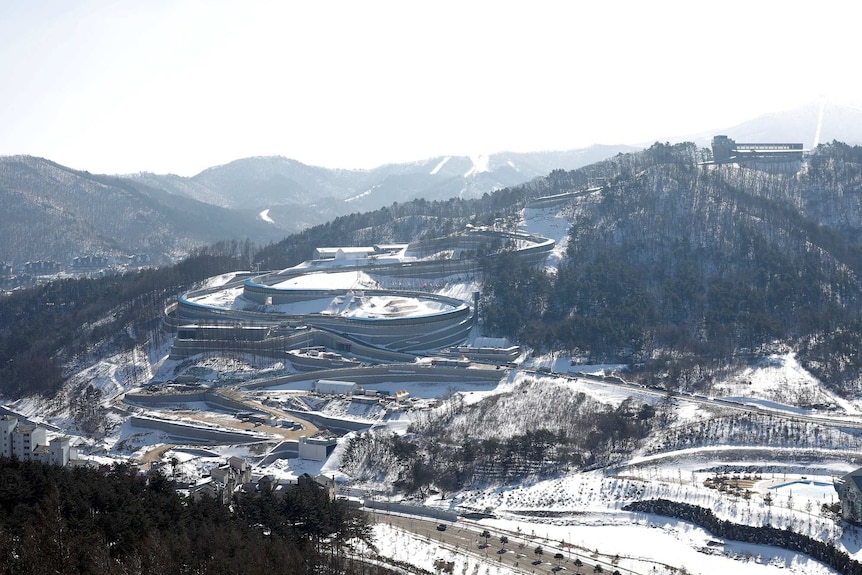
(27,441)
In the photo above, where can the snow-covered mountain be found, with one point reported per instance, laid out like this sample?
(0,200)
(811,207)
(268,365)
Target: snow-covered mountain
(559,451)
(51,212)
(299,196)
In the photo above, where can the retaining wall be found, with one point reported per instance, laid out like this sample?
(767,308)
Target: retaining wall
(187,433)
(440,514)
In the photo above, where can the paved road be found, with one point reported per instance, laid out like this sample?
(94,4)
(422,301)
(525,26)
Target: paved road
(308,428)
(519,552)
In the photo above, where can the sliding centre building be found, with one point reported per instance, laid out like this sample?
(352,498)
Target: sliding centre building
(380,297)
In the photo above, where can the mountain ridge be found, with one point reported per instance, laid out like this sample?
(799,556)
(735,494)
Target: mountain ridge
(266,198)
(284,181)
(52,212)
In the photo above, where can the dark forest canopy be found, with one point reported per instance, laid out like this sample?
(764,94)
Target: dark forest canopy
(673,258)
(44,326)
(113,520)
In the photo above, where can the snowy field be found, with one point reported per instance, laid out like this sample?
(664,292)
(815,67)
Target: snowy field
(406,547)
(549,223)
(655,546)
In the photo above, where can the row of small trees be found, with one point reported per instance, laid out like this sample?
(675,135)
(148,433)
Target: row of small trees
(825,552)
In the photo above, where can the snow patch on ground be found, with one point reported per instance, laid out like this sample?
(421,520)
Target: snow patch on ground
(480,164)
(780,379)
(440,165)
(653,542)
(549,223)
(406,547)
(220,280)
(363,194)
(354,279)
(264,215)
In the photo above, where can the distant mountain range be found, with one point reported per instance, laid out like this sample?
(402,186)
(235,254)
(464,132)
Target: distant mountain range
(51,212)
(297,196)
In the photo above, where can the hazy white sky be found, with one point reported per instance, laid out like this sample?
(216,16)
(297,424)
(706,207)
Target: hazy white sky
(179,86)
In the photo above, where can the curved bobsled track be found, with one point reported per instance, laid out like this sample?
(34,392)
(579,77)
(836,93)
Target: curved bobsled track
(313,294)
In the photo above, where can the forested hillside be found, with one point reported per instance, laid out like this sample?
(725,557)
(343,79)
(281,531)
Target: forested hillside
(669,258)
(674,260)
(84,520)
(674,267)
(48,211)
(538,428)
(299,196)
(44,328)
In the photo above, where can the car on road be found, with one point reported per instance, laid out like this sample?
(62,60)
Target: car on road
(441,527)
(502,550)
(557,568)
(537,562)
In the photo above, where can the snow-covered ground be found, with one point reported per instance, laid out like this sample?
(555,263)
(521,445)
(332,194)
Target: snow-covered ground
(780,379)
(354,279)
(406,547)
(584,509)
(549,223)
(647,546)
(356,304)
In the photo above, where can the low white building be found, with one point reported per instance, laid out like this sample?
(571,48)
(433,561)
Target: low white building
(59,450)
(335,387)
(316,448)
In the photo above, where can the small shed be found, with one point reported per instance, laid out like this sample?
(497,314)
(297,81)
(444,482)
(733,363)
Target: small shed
(316,448)
(335,387)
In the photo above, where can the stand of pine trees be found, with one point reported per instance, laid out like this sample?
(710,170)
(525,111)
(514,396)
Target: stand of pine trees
(115,521)
(761,535)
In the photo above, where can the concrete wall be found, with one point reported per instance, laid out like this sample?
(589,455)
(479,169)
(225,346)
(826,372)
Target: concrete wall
(285,450)
(334,423)
(440,514)
(393,373)
(185,433)
(162,399)
(275,347)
